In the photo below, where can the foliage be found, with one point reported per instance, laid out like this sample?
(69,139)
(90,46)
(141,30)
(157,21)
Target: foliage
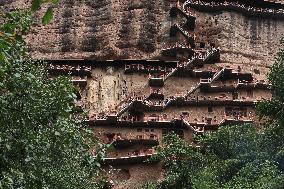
(274,107)
(234,156)
(150,185)
(11,42)
(37,4)
(41,144)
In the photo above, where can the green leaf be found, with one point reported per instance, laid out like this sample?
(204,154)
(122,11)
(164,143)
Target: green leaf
(57,133)
(47,16)
(55,1)
(8,146)
(36,5)
(97,164)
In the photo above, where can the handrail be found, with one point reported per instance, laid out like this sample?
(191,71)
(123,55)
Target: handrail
(237,7)
(190,62)
(185,33)
(183,12)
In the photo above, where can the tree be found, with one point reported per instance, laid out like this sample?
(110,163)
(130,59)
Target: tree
(232,157)
(42,145)
(274,107)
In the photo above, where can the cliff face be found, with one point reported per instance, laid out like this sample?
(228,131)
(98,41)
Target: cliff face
(105,29)
(139,29)
(126,99)
(242,39)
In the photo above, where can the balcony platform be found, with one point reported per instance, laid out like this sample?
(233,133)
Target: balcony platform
(244,10)
(134,159)
(123,143)
(156,82)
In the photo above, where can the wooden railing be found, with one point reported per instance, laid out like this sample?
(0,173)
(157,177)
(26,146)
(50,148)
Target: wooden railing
(234,6)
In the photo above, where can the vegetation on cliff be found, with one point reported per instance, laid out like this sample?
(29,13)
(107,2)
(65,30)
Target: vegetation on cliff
(41,144)
(241,156)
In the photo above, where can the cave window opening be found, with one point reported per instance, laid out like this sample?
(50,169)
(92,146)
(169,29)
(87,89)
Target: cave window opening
(256,71)
(249,93)
(152,136)
(210,109)
(209,121)
(235,95)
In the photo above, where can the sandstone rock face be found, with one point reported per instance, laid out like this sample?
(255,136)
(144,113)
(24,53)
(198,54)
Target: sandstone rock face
(132,29)
(140,29)
(245,40)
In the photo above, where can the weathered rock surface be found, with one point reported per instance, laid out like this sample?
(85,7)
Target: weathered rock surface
(132,29)
(139,29)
